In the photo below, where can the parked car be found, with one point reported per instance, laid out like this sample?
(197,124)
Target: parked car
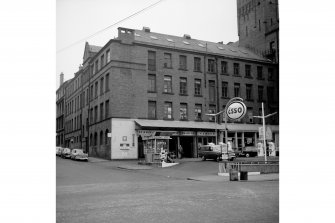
(78,154)
(216,152)
(59,151)
(66,153)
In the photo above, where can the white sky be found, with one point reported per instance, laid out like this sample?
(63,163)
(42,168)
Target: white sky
(210,20)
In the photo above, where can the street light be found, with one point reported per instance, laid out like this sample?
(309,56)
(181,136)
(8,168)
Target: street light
(263,117)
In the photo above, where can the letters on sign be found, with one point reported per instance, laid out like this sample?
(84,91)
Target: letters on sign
(236,110)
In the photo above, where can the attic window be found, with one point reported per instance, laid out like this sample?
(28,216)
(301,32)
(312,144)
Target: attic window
(202,45)
(136,34)
(170,40)
(220,47)
(187,43)
(153,37)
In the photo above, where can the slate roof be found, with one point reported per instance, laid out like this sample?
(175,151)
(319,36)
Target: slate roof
(195,45)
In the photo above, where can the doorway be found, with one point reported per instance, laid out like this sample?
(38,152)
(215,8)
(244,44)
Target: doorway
(187,144)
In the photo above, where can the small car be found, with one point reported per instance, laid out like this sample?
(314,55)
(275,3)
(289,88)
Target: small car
(78,154)
(216,152)
(66,153)
(58,151)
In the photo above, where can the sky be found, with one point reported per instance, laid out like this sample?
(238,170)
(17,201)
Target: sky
(209,20)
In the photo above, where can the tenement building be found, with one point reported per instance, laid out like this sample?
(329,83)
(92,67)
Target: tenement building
(258,27)
(144,83)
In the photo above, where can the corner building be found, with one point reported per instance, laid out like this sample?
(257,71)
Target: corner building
(144,83)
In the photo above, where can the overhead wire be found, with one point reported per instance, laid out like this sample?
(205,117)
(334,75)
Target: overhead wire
(110,26)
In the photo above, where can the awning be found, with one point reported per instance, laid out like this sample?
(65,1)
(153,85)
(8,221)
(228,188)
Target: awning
(201,125)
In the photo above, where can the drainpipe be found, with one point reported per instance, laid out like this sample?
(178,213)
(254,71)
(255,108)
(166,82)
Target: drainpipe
(217,94)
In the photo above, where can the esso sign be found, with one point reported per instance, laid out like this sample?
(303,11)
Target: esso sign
(236,110)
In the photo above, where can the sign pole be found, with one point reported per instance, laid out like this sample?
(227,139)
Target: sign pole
(264,143)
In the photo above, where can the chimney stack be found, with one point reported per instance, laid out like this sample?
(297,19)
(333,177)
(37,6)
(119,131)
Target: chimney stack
(61,79)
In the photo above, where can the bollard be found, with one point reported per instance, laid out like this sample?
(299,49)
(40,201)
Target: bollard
(233,175)
(243,175)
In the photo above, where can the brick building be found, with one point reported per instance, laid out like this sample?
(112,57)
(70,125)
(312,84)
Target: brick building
(258,27)
(60,109)
(151,83)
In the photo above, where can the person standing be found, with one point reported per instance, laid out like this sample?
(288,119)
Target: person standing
(180,151)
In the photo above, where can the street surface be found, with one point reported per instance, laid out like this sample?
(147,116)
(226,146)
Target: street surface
(102,192)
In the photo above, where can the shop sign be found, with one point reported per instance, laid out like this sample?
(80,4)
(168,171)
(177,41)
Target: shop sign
(205,133)
(158,137)
(146,133)
(187,133)
(236,110)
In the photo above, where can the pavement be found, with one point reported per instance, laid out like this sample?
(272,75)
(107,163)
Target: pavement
(183,171)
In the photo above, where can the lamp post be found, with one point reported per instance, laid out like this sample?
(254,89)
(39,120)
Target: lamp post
(263,117)
(216,128)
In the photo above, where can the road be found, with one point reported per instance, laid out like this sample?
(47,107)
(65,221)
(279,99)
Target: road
(101,192)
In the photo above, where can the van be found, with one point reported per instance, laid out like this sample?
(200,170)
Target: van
(216,152)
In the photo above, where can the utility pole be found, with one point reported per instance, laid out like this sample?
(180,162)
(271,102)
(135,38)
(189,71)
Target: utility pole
(263,117)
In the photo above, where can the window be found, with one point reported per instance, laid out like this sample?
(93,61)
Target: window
(270,72)
(102,60)
(182,62)
(236,90)
(107,82)
(246,30)
(259,25)
(87,96)
(247,70)
(260,93)
(211,65)
(197,64)
(101,111)
(236,69)
(101,86)
(106,137)
(198,112)
(95,113)
(151,60)
(197,87)
(167,84)
(211,110)
(225,89)
(250,118)
(272,45)
(91,115)
(211,91)
(101,138)
(183,86)
(167,60)
(95,139)
(91,140)
(224,68)
(183,111)
(151,83)
(96,89)
(249,91)
(108,56)
(168,110)
(107,109)
(96,66)
(152,109)
(259,72)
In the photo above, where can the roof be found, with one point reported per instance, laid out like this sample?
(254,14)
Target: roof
(201,125)
(94,49)
(231,50)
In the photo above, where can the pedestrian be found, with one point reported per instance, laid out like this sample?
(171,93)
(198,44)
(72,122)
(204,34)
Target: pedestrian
(180,150)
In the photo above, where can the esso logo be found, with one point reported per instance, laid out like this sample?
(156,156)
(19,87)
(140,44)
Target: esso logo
(236,110)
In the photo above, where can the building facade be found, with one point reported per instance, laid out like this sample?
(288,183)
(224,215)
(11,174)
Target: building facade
(144,83)
(60,115)
(258,27)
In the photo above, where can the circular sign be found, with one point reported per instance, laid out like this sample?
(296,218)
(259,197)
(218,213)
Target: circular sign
(236,110)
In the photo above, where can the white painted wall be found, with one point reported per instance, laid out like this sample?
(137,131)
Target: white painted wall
(123,132)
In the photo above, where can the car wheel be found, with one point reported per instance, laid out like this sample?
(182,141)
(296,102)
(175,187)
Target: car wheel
(247,155)
(203,158)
